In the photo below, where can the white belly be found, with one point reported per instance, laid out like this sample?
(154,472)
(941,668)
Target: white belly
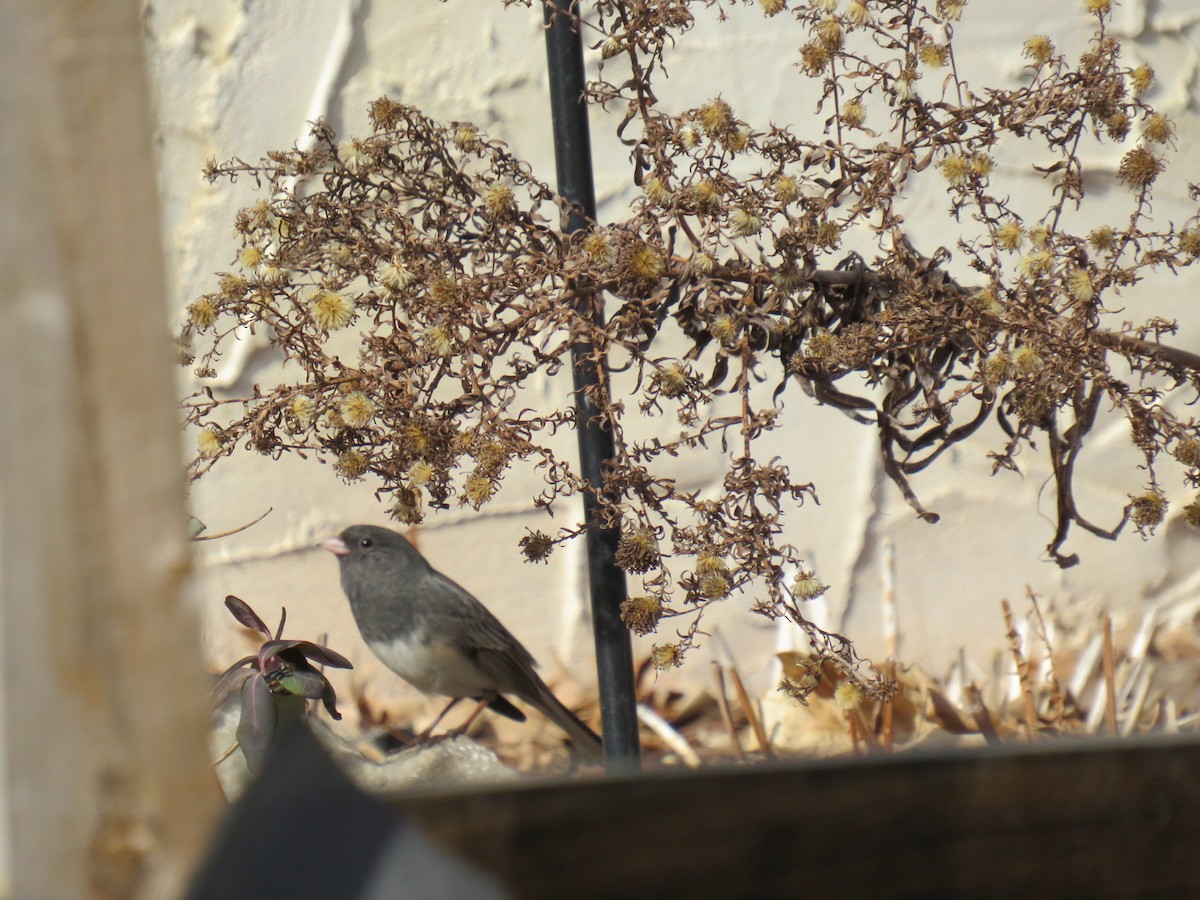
(434,668)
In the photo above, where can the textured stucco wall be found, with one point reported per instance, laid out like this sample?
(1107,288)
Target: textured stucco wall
(240,78)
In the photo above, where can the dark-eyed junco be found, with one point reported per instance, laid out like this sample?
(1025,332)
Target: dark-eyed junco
(438,637)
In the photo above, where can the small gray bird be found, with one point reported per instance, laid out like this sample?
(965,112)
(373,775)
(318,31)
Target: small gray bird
(436,636)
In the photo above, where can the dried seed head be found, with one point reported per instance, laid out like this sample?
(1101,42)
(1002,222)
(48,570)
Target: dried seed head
(716,117)
(672,380)
(1148,510)
(610,48)
(711,564)
(772,7)
(935,56)
(637,551)
(956,169)
(440,339)
(233,286)
(357,409)
(998,369)
(1010,236)
(814,57)
(202,314)
(274,275)
(1099,7)
(1038,263)
(1079,285)
(420,473)
(340,255)
(537,546)
(645,264)
(822,345)
(477,489)
(829,33)
(702,263)
(641,614)
(848,695)
(385,113)
(906,89)
(656,191)
(407,506)
(498,200)
(354,156)
(1139,167)
(981,164)
(395,276)
(1040,49)
(687,137)
(723,329)
(666,656)
(854,113)
(951,10)
(705,195)
(250,256)
(466,136)
(1026,360)
(737,140)
(1102,239)
(985,300)
(1039,235)
(829,235)
(1189,242)
(1158,129)
(807,586)
(745,223)
(351,465)
(714,586)
(599,248)
(787,189)
(858,14)
(208,443)
(1191,513)
(1187,452)
(1117,125)
(331,310)
(304,408)
(788,277)
(1140,79)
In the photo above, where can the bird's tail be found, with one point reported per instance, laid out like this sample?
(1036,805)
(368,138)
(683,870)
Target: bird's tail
(552,708)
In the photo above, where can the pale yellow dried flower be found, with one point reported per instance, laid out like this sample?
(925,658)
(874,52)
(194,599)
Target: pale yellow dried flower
(357,409)
(331,310)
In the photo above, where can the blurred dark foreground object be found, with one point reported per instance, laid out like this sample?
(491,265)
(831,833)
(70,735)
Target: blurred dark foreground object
(1086,817)
(303,831)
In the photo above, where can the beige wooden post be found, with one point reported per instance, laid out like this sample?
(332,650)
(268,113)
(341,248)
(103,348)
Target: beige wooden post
(108,789)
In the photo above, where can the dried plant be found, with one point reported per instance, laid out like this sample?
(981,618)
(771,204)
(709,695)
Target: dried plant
(725,290)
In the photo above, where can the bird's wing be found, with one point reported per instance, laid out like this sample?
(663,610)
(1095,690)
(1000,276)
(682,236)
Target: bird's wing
(471,620)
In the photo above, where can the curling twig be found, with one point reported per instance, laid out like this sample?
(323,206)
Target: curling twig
(240,528)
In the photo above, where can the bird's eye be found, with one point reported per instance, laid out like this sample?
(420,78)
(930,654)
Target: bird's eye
(365,543)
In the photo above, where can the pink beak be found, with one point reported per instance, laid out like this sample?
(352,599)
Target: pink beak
(336,546)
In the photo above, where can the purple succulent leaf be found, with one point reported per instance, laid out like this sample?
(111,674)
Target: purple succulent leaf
(282,619)
(315,652)
(257,726)
(231,679)
(329,698)
(245,615)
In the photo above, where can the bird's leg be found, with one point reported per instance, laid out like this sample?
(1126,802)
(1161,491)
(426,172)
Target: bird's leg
(449,706)
(479,707)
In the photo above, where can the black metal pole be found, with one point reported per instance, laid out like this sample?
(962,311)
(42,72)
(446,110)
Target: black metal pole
(573,160)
